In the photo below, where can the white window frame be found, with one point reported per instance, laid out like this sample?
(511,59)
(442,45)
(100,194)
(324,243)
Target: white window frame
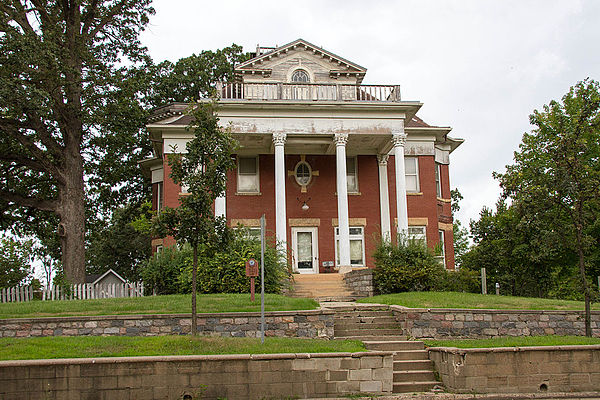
(310,173)
(159,196)
(355,236)
(348,188)
(438,179)
(418,236)
(300,70)
(442,241)
(416,174)
(256,175)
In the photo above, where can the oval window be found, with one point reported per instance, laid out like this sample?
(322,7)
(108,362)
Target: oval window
(300,76)
(303,173)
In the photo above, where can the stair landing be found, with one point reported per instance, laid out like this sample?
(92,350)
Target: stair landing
(322,287)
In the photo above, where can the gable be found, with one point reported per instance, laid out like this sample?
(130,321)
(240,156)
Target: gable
(321,65)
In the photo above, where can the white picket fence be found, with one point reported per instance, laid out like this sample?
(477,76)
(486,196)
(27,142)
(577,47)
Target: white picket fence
(82,291)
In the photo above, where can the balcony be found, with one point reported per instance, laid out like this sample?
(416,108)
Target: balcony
(308,92)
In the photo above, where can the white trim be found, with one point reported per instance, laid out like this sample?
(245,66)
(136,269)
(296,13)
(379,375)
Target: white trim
(351,237)
(106,273)
(438,179)
(315,249)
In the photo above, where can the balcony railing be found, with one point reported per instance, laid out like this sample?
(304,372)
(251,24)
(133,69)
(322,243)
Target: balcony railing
(308,91)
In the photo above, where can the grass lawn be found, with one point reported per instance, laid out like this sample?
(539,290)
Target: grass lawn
(473,300)
(172,304)
(520,341)
(122,346)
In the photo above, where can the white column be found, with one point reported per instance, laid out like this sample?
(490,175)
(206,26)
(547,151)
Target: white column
(399,140)
(220,206)
(342,198)
(384,197)
(280,215)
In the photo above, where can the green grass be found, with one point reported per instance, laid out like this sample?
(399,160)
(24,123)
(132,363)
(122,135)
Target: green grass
(520,341)
(172,304)
(122,346)
(472,300)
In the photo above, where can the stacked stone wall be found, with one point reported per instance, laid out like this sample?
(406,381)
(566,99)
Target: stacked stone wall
(459,323)
(519,369)
(360,282)
(308,324)
(206,377)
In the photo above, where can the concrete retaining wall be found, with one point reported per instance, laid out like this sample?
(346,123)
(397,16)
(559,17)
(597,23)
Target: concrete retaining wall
(360,281)
(310,324)
(519,369)
(206,377)
(451,323)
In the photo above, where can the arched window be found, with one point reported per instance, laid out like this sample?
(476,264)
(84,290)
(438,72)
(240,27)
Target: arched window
(303,173)
(300,75)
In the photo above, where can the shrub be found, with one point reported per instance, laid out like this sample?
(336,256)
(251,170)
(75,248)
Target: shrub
(162,271)
(462,280)
(406,267)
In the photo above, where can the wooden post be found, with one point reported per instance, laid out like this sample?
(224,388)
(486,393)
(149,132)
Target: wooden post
(483,282)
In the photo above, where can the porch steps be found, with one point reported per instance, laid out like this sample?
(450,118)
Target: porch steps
(377,328)
(322,287)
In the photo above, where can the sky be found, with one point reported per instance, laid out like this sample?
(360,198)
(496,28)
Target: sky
(479,66)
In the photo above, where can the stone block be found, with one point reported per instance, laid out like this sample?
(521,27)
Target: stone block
(360,375)
(347,387)
(371,386)
(350,363)
(301,364)
(341,375)
(371,362)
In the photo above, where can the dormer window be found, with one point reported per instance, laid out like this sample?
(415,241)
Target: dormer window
(301,76)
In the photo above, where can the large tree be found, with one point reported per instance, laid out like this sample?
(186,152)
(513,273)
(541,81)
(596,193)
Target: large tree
(58,65)
(556,174)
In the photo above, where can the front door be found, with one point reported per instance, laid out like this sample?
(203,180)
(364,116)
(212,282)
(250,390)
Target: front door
(305,251)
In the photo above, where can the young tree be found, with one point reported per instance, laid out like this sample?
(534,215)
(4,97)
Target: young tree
(15,258)
(557,173)
(203,169)
(57,63)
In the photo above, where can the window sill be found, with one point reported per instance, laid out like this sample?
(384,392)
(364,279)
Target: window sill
(248,193)
(444,200)
(350,194)
(414,193)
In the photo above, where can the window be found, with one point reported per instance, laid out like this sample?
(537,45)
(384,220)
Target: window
(357,246)
(159,249)
(411,168)
(301,76)
(248,181)
(159,196)
(417,233)
(442,247)
(351,175)
(252,232)
(438,179)
(303,173)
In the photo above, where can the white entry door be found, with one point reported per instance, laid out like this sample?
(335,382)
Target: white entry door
(305,250)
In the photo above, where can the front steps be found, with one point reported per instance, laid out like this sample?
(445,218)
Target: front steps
(321,287)
(378,329)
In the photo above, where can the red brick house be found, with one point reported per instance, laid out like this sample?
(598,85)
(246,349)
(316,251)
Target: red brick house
(332,163)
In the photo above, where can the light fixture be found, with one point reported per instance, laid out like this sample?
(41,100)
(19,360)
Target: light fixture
(304,206)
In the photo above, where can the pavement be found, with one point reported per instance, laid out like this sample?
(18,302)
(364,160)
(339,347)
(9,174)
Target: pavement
(492,396)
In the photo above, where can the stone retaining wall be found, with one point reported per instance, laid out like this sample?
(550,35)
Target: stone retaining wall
(206,377)
(310,324)
(519,369)
(459,323)
(360,281)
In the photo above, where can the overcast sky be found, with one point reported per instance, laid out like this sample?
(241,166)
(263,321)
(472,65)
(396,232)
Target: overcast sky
(478,66)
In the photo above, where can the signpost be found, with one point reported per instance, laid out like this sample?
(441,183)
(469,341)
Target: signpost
(252,272)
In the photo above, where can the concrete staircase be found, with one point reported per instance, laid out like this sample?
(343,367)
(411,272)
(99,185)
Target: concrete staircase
(322,287)
(378,329)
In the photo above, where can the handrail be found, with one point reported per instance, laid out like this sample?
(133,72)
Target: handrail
(308,92)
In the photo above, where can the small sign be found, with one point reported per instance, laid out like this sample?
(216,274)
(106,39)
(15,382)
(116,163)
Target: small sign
(327,263)
(252,268)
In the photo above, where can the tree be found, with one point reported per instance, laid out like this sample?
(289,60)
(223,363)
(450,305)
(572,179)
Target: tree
(557,173)
(58,62)
(203,169)
(460,233)
(15,257)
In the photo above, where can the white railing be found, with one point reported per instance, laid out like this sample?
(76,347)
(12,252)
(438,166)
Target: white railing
(308,91)
(82,291)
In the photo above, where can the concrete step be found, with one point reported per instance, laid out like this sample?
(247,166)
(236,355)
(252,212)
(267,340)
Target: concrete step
(374,325)
(335,299)
(372,338)
(404,355)
(363,313)
(366,320)
(367,332)
(413,365)
(414,376)
(359,307)
(397,345)
(409,387)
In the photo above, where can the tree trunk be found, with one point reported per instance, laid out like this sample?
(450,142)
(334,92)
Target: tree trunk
(584,282)
(194,269)
(72,218)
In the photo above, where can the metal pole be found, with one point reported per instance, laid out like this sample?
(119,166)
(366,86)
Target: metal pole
(262,279)
(483,282)
(497,289)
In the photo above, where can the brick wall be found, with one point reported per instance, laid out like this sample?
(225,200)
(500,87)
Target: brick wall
(310,324)
(519,369)
(206,377)
(449,323)
(360,282)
